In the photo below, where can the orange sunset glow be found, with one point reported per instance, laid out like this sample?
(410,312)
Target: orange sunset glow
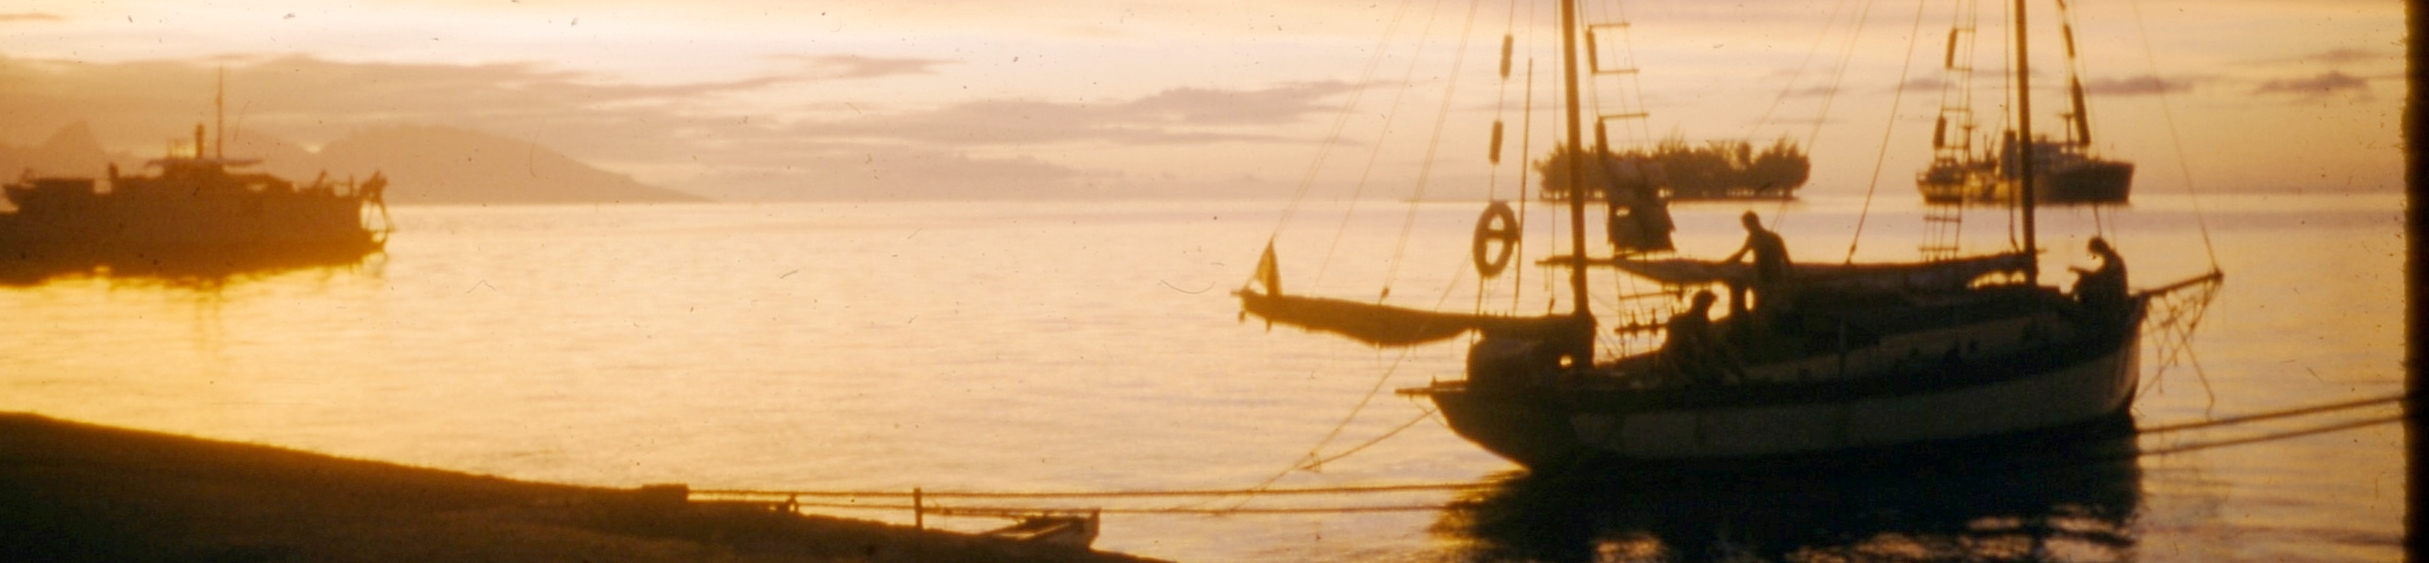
(1222,281)
(873,100)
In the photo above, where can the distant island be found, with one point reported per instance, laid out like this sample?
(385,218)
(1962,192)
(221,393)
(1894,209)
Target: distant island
(1676,169)
(425,165)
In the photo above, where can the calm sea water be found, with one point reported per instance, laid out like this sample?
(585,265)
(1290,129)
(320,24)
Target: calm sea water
(1092,347)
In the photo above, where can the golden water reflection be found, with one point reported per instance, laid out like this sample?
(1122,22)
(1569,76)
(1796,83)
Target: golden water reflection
(201,270)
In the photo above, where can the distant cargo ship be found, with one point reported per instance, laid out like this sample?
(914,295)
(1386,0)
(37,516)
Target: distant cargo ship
(2066,173)
(197,216)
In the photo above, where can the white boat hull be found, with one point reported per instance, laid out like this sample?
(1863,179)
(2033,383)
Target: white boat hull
(2073,394)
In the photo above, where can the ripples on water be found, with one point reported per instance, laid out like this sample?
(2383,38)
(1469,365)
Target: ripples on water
(1053,347)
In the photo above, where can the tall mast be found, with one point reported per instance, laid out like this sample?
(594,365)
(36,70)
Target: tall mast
(1577,162)
(219,113)
(2024,150)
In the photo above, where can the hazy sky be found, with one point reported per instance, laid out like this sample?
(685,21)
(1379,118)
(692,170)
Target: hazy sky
(805,98)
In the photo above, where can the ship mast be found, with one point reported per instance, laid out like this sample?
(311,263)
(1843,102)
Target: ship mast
(219,114)
(1577,167)
(2024,150)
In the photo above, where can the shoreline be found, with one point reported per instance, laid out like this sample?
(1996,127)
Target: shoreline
(76,491)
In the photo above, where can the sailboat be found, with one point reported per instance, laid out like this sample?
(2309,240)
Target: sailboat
(1834,362)
(2064,170)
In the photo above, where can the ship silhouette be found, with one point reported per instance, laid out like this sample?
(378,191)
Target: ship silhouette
(197,216)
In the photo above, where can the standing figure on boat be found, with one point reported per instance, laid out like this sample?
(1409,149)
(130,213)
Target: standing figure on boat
(1770,283)
(2102,291)
(1690,347)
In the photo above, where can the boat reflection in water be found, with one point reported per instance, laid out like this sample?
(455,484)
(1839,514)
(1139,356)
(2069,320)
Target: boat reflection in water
(2045,499)
(182,270)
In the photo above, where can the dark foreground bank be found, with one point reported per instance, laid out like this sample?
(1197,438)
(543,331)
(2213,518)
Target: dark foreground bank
(78,492)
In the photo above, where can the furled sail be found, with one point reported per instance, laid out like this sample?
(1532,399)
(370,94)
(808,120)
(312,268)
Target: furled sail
(1380,325)
(1385,325)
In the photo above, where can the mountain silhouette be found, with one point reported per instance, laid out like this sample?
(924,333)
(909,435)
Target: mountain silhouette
(71,151)
(424,165)
(429,164)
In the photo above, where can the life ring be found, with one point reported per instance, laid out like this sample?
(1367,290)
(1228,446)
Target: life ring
(1496,238)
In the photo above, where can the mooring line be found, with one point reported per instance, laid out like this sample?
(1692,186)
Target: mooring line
(2297,411)
(1110,494)
(2354,425)
(793,497)
(1236,510)
(933,510)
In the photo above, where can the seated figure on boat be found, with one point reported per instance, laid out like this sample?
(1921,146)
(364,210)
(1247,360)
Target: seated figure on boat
(2102,291)
(1691,349)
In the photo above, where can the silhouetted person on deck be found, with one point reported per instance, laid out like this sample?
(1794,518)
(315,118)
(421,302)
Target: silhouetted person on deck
(1770,282)
(2102,291)
(1690,346)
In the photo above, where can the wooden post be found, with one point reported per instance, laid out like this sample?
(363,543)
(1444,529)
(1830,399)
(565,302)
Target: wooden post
(919,510)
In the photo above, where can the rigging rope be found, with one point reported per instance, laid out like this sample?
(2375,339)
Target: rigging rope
(1332,136)
(1421,416)
(1314,454)
(2177,139)
(1799,72)
(2181,310)
(1526,142)
(1846,55)
(1897,98)
(1425,168)
(1375,152)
